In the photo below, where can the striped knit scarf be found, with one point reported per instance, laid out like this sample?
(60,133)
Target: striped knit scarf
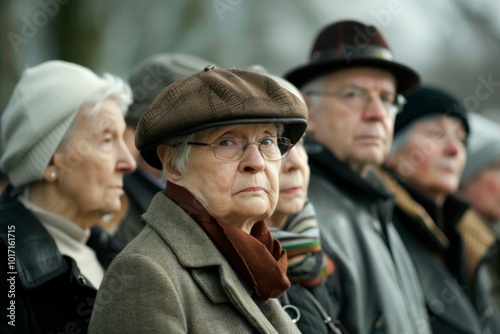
(300,237)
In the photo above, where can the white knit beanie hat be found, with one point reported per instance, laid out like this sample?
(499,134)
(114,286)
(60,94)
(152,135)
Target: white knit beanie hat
(41,110)
(483,146)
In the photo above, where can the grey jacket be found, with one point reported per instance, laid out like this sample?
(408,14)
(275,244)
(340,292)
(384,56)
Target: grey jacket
(172,279)
(379,287)
(456,257)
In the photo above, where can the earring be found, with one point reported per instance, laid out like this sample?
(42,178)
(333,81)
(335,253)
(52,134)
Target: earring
(53,176)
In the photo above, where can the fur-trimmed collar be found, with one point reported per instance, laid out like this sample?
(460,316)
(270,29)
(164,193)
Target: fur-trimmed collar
(476,236)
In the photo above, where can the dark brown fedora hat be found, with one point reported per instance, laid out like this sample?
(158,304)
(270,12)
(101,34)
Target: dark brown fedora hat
(217,97)
(347,44)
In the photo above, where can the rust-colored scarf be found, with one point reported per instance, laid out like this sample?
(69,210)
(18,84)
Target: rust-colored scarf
(257,256)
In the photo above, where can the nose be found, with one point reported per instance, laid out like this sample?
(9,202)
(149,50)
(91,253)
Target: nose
(252,160)
(375,109)
(452,145)
(126,162)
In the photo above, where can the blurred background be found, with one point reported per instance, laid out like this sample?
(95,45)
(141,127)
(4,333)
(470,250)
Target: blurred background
(454,44)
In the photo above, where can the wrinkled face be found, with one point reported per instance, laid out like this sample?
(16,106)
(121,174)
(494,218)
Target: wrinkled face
(484,192)
(239,192)
(358,135)
(434,157)
(92,163)
(294,180)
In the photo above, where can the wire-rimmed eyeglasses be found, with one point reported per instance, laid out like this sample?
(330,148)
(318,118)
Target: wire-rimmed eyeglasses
(358,98)
(228,149)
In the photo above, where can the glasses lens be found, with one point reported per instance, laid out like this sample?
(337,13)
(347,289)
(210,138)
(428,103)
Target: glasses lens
(271,148)
(229,148)
(284,145)
(278,150)
(274,148)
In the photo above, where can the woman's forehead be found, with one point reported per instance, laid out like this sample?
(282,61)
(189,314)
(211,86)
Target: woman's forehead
(238,129)
(439,119)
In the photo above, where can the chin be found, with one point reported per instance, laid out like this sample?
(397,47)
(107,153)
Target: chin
(291,207)
(260,212)
(372,156)
(447,188)
(112,208)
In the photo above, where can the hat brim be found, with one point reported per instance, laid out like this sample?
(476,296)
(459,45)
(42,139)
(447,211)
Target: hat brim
(407,79)
(294,129)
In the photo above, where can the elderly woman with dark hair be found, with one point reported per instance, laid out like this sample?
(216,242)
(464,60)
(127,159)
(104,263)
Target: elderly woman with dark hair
(63,151)
(205,261)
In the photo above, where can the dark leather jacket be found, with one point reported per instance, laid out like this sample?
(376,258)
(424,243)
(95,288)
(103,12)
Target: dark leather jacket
(48,292)
(457,259)
(380,292)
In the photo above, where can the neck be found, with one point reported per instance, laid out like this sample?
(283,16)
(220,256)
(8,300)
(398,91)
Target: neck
(243,224)
(277,220)
(46,196)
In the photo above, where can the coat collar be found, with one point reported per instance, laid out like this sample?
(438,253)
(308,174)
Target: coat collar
(420,219)
(140,189)
(461,220)
(37,258)
(323,162)
(194,250)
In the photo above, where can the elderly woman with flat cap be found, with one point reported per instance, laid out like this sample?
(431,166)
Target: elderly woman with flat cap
(63,151)
(206,261)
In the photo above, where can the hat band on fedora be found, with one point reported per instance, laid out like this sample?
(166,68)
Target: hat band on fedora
(349,51)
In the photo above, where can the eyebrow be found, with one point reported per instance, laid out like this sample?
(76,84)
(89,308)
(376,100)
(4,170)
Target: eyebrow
(351,85)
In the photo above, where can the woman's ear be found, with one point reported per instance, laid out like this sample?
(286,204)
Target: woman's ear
(51,174)
(164,153)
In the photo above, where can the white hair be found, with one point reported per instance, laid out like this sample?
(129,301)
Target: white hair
(116,89)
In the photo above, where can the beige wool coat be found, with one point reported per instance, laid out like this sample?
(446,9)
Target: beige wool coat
(172,279)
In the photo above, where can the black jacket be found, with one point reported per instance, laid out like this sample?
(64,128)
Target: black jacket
(456,257)
(315,306)
(380,292)
(139,191)
(45,291)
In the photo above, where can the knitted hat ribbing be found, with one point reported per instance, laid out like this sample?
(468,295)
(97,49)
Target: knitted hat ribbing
(42,108)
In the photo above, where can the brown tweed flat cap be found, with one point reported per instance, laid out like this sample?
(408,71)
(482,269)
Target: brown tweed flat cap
(217,97)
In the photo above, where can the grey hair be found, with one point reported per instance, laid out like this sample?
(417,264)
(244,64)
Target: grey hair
(403,136)
(181,149)
(116,89)
(317,84)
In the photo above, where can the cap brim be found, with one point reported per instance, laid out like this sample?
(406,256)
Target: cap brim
(294,130)
(406,78)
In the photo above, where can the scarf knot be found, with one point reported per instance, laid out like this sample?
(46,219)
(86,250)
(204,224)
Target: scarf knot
(257,257)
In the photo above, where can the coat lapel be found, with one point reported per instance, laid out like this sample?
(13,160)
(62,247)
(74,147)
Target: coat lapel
(209,268)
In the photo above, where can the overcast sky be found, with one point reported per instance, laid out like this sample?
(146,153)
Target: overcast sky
(452,43)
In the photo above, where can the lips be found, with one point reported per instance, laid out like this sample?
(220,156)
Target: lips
(250,189)
(370,137)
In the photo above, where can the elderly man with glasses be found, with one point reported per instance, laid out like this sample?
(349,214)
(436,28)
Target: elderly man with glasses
(354,89)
